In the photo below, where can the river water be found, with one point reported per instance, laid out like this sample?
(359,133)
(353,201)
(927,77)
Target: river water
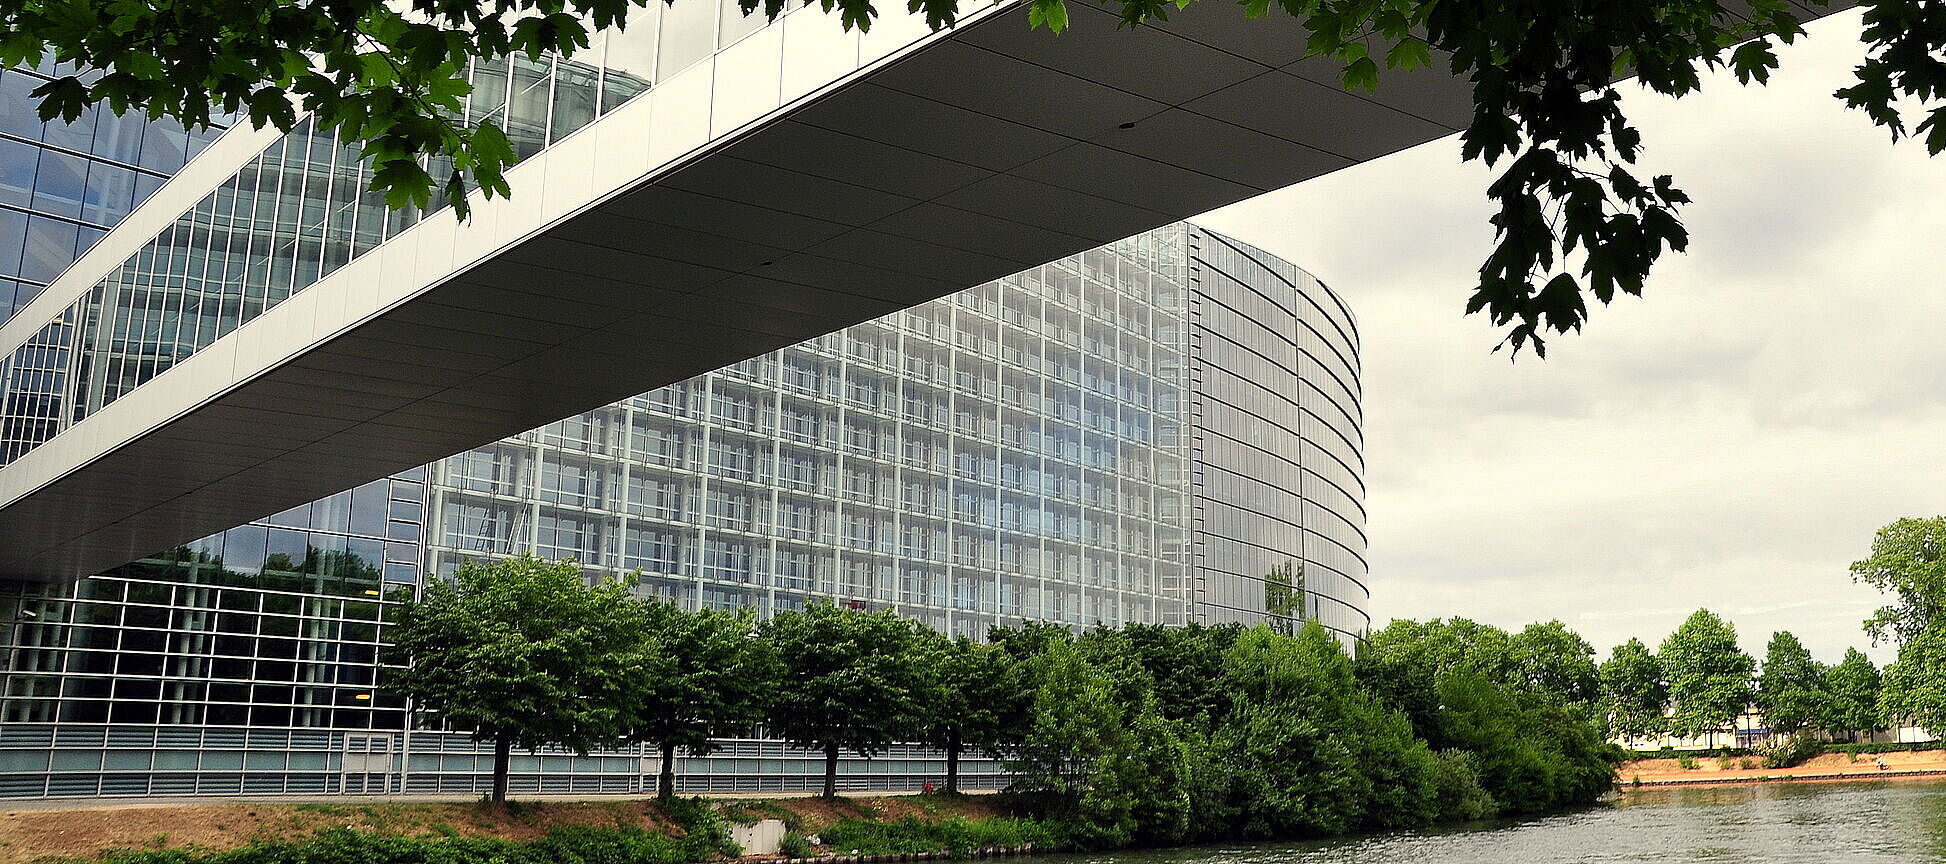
(1841,823)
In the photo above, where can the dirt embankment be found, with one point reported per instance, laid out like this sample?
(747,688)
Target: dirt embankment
(1823,767)
(85,831)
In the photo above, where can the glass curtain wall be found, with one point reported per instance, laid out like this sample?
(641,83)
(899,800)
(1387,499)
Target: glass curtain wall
(63,185)
(293,215)
(1082,443)
(1279,490)
(1016,451)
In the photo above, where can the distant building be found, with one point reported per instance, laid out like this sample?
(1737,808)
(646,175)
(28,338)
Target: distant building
(1752,731)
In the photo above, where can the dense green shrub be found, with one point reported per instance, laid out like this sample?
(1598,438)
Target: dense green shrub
(1790,751)
(1532,757)
(1458,795)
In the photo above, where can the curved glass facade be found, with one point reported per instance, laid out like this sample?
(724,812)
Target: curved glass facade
(1279,488)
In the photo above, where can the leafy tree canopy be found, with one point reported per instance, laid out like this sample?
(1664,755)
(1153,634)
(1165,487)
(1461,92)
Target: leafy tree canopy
(1851,696)
(1908,561)
(1531,756)
(968,699)
(1085,752)
(1709,676)
(1577,216)
(851,680)
(1790,692)
(715,684)
(1633,690)
(1291,769)
(523,653)
(1185,663)
(1404,662)
(1555,663)
(1914,686)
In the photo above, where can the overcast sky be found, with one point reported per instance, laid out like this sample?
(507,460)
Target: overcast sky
(1731,440)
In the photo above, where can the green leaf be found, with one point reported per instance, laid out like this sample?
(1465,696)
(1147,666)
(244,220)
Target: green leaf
(1361,74)
(1409,53)
(1052,14)
(1753,61)
(63,98)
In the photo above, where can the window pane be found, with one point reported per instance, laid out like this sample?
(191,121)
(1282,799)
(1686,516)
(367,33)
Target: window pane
(58,182)
(18,114)
(489,99)
(85,239)
(145,186)
(74,136)
(16,172)
(527,111)
(574,99)
(109,195)
(49,249)
(368,508)
(25,294)
(163,149)
(119,137)
(629,63)
(688,34)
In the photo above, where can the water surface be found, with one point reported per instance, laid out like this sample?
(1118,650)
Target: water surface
(1874,822)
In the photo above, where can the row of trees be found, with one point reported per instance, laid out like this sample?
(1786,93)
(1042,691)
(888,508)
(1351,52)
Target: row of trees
(524,654)
(1699,681)
(1137,735)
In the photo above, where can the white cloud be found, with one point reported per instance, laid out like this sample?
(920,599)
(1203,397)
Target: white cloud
(1731,440)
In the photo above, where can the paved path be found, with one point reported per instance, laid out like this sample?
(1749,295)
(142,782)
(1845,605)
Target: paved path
(17,805)
(1783,776)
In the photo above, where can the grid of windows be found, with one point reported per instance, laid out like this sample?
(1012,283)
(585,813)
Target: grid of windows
(999,454)
(1138,433)
(63,185)
(276,623)
(290,217)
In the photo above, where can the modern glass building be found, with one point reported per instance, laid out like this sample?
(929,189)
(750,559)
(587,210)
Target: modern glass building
(1149,432)
(1165,429)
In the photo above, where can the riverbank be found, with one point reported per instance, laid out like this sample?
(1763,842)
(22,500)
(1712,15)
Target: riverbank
(90,832)
(1711,771)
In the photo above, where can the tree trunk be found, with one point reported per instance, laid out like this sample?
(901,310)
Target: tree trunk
(665,783)
(952,762)
(502,759)
(831,770)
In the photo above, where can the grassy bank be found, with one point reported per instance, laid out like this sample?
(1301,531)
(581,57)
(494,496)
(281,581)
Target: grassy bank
(589,832)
